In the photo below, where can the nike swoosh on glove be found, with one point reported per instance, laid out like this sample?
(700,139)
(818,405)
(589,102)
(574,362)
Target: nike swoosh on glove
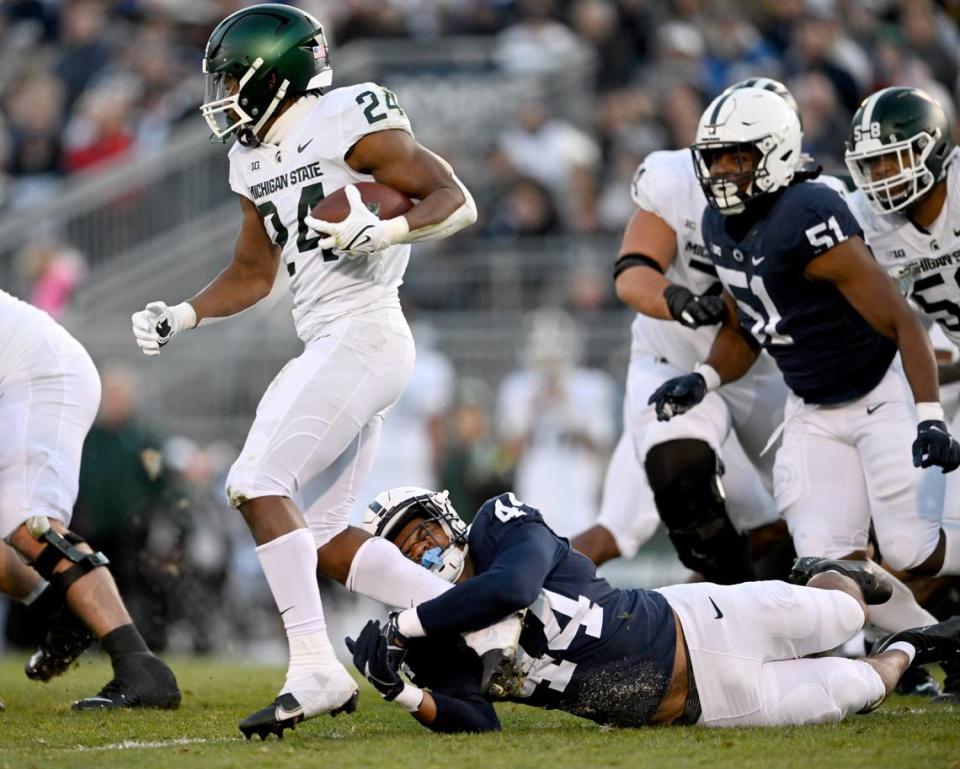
(157,323)
(935,446)
(362,232)
(678,395)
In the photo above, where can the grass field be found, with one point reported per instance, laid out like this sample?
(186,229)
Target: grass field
(38,729)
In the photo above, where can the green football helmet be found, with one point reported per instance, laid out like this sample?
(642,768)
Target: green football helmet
(897,148)
(254,59)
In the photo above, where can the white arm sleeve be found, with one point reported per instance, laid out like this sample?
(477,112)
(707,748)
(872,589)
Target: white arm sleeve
(462,217)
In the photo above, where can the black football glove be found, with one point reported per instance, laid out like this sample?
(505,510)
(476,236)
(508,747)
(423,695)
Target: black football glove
(935,446)
(694,310)
(376,660)
(678,395)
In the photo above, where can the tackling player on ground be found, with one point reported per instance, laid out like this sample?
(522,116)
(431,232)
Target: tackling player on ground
(317,426)
(704,654)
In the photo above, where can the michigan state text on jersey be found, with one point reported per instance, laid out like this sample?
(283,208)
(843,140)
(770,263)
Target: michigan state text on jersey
(317,426)
(696,653)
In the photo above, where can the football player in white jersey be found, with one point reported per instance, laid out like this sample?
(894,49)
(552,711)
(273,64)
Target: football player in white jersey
(674,467)
(49,395)
(904,163)
(317,426)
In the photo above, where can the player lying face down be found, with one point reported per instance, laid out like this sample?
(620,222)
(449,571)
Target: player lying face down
(700,653)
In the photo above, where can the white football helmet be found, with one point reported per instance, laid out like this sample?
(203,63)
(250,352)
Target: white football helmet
(757,119)
(391,510)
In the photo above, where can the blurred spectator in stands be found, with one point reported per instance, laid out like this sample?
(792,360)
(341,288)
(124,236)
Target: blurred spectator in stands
(559,156)
(84,49)
(197,605)
(735,49)
(125,490)
(558,421)
(35,108)
(813,45)
(682,107)
(825,126)
(371,18)
(413,433)
(476,466)
(523,208)
(598,23)
(538,42)
(932,38)
(52,271)
(100,130)
(679,60)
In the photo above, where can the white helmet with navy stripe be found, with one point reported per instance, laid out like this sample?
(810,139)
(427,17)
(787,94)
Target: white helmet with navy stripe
(392,510)
(767,84)
(752,118)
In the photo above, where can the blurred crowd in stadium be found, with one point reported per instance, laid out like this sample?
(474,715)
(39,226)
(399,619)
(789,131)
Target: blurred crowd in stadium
(84,83)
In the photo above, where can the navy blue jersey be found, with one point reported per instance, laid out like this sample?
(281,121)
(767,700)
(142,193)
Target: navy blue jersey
(586,647)
(825,349)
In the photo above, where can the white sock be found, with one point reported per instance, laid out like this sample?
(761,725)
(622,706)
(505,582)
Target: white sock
(381,572)
(903,646)
(290,565)
(901,612)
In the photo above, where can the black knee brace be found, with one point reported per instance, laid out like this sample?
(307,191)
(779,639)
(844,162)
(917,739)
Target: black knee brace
(685,478)
(61,547)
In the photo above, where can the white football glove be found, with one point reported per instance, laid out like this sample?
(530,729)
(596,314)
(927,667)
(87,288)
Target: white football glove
(361,233)
(157,323)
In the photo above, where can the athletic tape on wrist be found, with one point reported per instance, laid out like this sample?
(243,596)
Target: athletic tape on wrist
(930,411)
(410,698)
(710,376)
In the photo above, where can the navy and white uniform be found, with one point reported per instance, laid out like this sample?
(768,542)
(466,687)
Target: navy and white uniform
(850,418)
(607,654)
(736,421)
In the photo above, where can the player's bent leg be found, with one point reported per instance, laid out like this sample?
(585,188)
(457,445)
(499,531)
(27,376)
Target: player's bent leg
(628,514)
(817,691)
(685,478)
(65,560)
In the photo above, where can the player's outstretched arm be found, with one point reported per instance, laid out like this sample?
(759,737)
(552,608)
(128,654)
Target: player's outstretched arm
(852,269)
(247,280)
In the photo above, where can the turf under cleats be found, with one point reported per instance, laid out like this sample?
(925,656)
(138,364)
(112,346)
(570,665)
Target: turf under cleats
(329,689)
(140,681)
(285,713)
(934,643)
(872,580)
(66,639)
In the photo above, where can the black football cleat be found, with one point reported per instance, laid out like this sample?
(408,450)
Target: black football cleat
(918,682)
(140,681)
(871,579)
(934,643)
(285,713)
(66,639)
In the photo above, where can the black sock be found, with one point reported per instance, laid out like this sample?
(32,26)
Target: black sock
(122,642)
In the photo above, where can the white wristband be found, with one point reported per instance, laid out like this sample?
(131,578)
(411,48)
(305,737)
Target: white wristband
(408,623)
(930,411)
(710,376)
(410,698)
(396,229)
(184,315)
